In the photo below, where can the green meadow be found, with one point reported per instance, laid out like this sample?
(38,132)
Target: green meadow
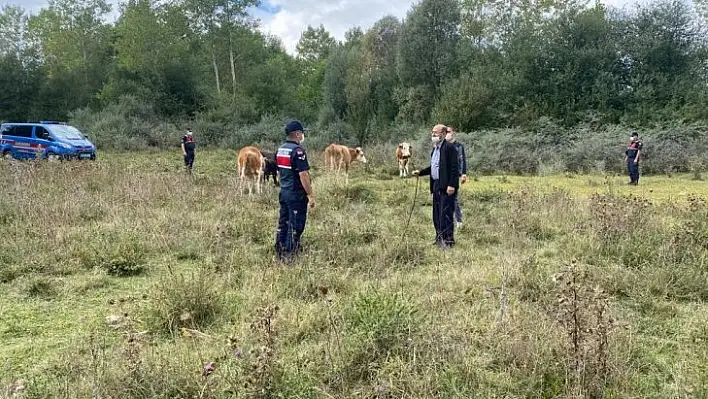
(125,277)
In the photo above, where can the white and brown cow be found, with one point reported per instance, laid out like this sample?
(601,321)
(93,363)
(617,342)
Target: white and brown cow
(251,165)
(403,155)
(337,156)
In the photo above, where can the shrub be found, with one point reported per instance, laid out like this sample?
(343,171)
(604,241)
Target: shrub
(180,301)
(40,287)
(119,254)
(383,321)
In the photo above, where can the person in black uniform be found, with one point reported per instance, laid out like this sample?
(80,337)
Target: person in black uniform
(631,157)
(188,147)
(462,161)
(444,172)
(295,191)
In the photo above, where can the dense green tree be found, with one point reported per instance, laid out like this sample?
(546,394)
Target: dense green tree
(313,49)
(334,90)
(73,43)
(471,63)
(427,54)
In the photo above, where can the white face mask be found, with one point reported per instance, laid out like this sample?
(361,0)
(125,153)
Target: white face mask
(303,138)
(435,139)
(448,137)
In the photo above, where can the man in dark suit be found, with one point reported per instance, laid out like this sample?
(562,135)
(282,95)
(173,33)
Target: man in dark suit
(444,172)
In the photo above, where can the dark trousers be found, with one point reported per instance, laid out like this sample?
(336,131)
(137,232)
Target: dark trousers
(189,159)
(458,210)
(293,216)
(633,169)
(443,216)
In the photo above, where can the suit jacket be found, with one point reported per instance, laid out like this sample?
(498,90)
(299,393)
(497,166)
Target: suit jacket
(449,168)
(461,157)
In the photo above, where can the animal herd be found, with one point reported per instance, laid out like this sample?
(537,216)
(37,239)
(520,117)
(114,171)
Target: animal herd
(256,166)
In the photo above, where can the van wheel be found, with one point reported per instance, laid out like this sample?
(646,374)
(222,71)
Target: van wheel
(7,154)
(52,156)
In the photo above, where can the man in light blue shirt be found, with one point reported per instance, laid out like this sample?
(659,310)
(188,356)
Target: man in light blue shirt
(435,162)
(444,175)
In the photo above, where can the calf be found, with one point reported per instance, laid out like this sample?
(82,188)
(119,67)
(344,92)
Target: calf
(403,155)
(271,168)
(250,166)
(338,156)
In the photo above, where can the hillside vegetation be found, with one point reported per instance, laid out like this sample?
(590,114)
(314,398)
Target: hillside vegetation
(126,278)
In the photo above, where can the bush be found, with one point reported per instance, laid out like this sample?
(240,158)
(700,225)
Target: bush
(382,321)
(543,147)
(127,124)
(119,254)
(180,301)
(40,287)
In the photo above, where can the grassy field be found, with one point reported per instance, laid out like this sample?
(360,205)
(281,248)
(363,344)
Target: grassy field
(125,278)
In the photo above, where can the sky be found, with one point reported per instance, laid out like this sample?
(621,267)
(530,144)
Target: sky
(288,18)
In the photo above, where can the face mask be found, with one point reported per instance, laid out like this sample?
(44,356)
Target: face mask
(302,139)
(448,137)
(435,139)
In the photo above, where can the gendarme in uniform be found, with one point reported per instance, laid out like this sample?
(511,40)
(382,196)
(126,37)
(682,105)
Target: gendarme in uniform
(291,160)
(188,147)
(632,155)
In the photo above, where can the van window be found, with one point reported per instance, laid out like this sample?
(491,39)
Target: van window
(20,131)
(67,132)
(41,133)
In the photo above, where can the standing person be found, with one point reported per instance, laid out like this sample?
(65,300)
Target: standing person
(462,162)
(444,172)
(295,191)
(188,147)
(631,157)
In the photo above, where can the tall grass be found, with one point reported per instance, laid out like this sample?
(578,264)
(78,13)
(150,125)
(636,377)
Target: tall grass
(559,287)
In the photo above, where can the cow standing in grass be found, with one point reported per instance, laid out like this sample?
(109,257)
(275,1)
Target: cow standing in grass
(403,155)
(250,168)
(338,156)
(271,168)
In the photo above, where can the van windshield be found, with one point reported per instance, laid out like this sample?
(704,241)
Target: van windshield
(67,132)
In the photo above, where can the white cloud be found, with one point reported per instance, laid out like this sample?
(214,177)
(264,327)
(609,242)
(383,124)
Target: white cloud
(29,5)
(337,16)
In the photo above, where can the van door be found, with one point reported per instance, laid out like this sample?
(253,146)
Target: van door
(20,139)
(42,140)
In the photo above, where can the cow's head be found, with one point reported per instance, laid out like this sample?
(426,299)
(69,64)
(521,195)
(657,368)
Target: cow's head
(360,155)
(405,149)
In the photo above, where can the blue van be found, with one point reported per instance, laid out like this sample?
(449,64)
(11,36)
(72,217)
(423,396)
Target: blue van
(44,140)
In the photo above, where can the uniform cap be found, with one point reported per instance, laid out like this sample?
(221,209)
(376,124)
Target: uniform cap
(294,126)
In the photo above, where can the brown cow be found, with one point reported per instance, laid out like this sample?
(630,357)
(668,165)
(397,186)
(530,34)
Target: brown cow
(403,155)
(251,165)
(337,156)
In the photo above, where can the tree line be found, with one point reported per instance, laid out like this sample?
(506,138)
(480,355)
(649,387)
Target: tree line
(475,64)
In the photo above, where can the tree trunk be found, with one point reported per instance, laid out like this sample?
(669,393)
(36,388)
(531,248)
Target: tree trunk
(233,66)
(216,70)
